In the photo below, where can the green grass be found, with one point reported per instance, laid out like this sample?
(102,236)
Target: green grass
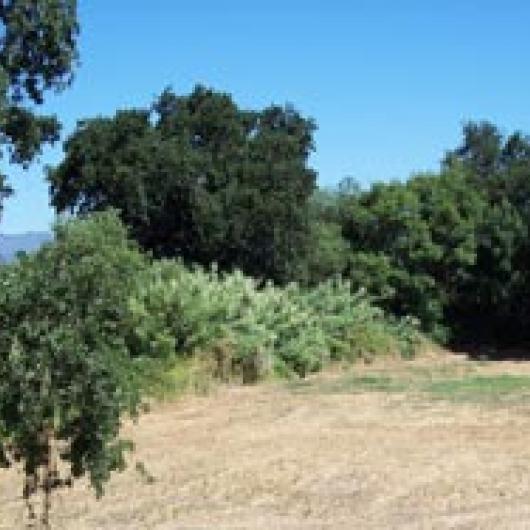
(351,383)
(447,382)
(456,382)
(494,388)
(167,381)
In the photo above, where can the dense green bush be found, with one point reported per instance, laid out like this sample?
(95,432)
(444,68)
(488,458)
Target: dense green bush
(66,375)
(288,330)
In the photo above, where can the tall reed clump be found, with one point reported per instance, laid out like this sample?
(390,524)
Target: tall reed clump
(250,331)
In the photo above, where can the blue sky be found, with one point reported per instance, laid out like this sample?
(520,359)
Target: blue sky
(389,83)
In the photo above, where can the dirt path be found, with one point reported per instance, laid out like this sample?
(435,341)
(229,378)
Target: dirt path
(271,458)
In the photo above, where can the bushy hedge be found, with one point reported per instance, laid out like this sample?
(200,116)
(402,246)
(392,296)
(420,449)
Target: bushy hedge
(259,331)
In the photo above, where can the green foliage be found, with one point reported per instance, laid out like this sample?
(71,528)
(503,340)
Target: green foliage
(66,375)
(328,255)
(495,298)
(451,248)
(199,178)
(415,243)
(480,150)
(254,332)
(37,53)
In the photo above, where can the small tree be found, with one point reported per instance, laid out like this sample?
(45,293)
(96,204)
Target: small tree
(66,376)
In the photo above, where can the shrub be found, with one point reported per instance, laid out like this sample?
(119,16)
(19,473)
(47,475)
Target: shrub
(258,331)
(66,375)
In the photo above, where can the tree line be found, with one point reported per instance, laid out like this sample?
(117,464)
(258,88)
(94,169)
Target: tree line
(199,178)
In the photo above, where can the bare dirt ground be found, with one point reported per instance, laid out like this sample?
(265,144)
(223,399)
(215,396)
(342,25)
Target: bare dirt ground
(270,457)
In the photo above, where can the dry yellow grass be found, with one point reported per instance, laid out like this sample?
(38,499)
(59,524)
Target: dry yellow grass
(266,457)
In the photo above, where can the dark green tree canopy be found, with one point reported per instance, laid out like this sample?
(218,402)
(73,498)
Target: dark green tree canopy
(415,243)
(480,149)
(197,177)
(453,247)
(486,152)
(37,55)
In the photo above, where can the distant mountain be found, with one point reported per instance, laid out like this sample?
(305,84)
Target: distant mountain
(28,242)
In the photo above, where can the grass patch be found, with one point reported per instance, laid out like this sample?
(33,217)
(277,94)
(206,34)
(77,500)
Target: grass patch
(459,383)
(351,383)
(165,380)
(481,388)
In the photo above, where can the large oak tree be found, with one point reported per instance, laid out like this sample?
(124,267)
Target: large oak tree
(197,177)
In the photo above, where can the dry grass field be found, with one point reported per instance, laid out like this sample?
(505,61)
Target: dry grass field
(441,442)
